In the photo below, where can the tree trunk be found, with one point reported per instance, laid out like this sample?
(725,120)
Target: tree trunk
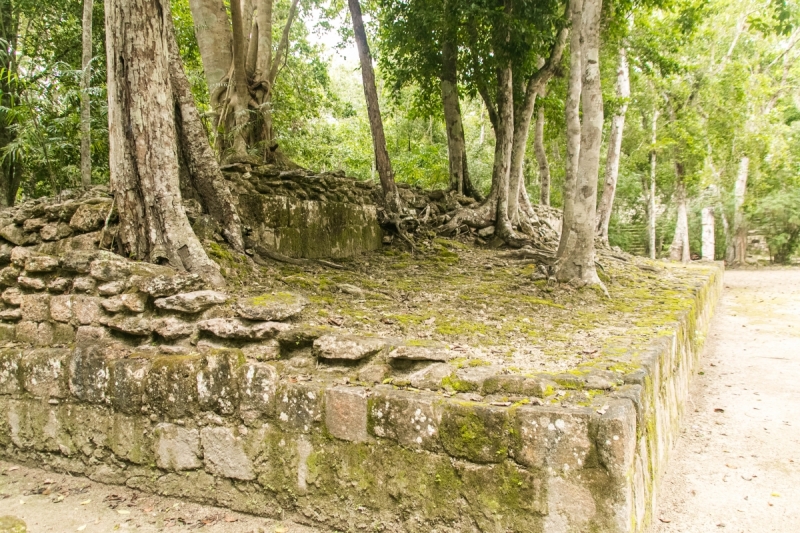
(10,175)
(452,110)
(541,158)
(86,79)
(623,90)
(239,94)
(576,261)
(504,135)
(709,246)
(737,248)
(215,42)
(679,250)
(573,120)
(651,190)
(382,162)
(143,155)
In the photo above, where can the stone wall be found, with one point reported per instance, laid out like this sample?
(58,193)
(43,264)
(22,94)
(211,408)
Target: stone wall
(134,374)
(300,214)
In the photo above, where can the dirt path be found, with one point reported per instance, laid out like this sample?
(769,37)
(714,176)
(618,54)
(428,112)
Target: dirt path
(736,466)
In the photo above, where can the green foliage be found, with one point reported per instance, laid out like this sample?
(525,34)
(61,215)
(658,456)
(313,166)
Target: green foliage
(777,215)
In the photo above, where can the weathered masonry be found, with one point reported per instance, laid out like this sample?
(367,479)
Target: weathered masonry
(134,374)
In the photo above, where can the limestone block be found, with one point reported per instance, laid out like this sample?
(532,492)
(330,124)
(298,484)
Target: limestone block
(34,284)
(10,374)
(552,438)
(33,224)
(167,285)
(300,405)
(8,333)
(90,334)
(86,309)
(176,448)
(8,276)
(89,374)
(224,454)
(171,385)
(276,306)
(45,372)
(234,328)
(12,296)
(128,383)
(59,285)
(5,253)
(346,413)
(262,351)
(19,255)
(347,347)
(90,216)
(111,288)
(258,384)
(516,384)
(411,420)
(615,435)
(83,284)
(191,302)
(55,231)
(138,326)
(301,337)
(476,432)
(431,376)
(217,388)
(421,351)
(61,308)
(171,328)
(63,334)
(12,524)
(473,377)
(10,315)
(131,439)
(41,263)
(109,269)
(77,261)
(132,302)
(13,234)
(36,333)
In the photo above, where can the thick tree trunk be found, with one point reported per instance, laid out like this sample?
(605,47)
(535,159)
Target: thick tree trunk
(142,139)
(573,120)
(382,162)
(86,79)
(576,261)
(215,42)
(541,158)
(623,90)
(456,150)
(651,190)
(10,175)
(679,250)
(504,135)
(737,247)
(238,92)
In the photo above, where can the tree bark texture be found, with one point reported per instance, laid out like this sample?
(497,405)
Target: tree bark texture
(572,117)
(382,162)
(86,79)
(709,246)
(541,158)
(456,148)
(651,189)
(10,174)
(504,135)
(575,263)
(679,250)
(737,248)
(623,90)
(142,139)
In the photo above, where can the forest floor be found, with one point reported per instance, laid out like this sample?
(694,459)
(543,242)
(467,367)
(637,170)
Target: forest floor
(736,466)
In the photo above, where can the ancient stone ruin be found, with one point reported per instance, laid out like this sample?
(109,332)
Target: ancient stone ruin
(135,374)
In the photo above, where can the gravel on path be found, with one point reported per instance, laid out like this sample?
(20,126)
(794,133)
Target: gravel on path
(736,465)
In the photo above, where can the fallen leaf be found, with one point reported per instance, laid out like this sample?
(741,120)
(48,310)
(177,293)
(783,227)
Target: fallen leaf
(123,511)
(48,482)
(231,518)
(665,520)
(719,410)
(12,469)
(81,528)
(281,529)
(775,495)
(86,502)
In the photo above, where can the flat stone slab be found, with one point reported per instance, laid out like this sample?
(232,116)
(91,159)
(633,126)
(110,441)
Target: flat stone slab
(421,351)
(277,306)
(347,347)
(191,302)
(234,328)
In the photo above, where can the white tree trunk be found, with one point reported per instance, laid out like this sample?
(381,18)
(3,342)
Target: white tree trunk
(86,79)
(679,250)
(143,155)
(573,120)
(576,260)
(708,234)
(651,193)
(737,251)
(623,89)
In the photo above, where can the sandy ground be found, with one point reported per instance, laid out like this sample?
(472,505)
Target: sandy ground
(50,502)
(736,466)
